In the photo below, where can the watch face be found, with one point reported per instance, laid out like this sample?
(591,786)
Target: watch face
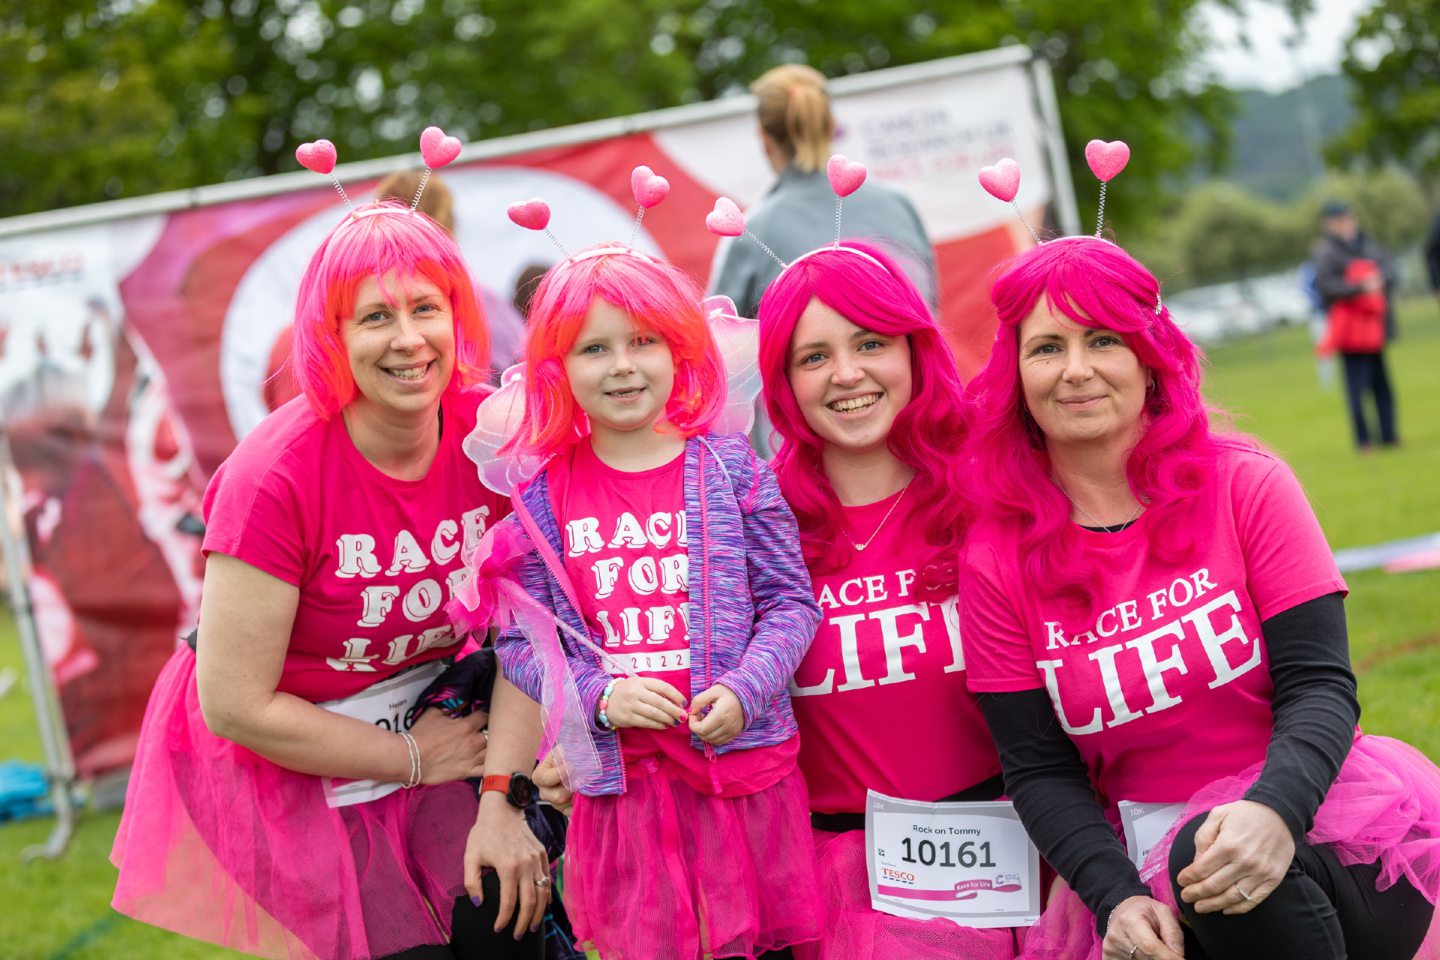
(521,792)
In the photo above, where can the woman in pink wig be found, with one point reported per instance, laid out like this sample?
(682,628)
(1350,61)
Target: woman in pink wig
(863,392)
(1152,616)
(290,797)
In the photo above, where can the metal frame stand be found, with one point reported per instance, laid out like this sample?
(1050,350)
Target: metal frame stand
(59,758)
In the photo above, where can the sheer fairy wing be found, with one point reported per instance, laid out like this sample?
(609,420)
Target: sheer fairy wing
(739,341)
(496,421)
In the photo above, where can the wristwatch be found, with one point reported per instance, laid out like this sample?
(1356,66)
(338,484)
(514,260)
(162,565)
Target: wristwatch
(519,789)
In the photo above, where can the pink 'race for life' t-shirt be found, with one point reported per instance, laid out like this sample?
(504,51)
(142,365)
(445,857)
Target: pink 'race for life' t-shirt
(880,697)
(626,538)
(1165,686)
(375,558)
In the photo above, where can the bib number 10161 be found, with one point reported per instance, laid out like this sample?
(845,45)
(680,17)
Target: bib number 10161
(967,854)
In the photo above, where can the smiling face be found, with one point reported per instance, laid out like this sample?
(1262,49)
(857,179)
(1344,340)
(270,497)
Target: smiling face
(400,343)
(1080,384)
(620,374)
(849,382)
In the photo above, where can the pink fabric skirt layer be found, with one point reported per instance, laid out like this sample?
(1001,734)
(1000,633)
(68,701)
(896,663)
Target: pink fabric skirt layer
(662,871)
(856,931)
(221,845)
(1383,807)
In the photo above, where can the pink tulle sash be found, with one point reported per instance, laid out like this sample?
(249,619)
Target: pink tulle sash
(493,597)
(1384,807)
(856,931)
(664,871)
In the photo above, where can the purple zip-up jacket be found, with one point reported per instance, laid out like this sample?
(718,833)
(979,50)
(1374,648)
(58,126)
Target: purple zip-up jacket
(752,610)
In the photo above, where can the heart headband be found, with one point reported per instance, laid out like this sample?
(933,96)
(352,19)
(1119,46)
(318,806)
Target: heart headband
(436,149)
(1106,160)
(845,175)
(648,188)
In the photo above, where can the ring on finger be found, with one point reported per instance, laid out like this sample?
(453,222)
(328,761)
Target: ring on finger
(1133,948)
(1243,895)
(543,883)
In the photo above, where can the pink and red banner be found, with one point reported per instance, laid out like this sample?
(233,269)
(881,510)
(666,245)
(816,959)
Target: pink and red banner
(136,350)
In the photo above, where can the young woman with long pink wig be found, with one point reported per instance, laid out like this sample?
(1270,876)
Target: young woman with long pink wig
(863,392)
(1152,615)
(289,796)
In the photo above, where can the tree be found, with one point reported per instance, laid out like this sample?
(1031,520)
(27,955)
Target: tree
(106,98)
(1393,60)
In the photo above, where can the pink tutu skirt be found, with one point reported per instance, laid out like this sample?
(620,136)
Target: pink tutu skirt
(221,845)
(856,931)
(1384,807)
(662,871)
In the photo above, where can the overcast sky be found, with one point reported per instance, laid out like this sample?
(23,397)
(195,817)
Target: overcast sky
(1269,65)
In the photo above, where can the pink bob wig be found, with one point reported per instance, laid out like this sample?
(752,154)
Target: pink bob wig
(1096,284)
(659,297)
(374,245)
(926,436)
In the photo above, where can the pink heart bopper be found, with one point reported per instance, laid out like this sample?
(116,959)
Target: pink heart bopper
(317,155)
(1106,160)
(845,175)
(648,187)
(438,149)
(726,220)
(530,214)
(1001,181)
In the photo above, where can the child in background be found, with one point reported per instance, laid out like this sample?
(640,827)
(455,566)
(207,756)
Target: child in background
(674,551)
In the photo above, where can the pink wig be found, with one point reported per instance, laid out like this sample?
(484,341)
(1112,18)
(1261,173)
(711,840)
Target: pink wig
(1098,285)
(658,296)
(926,435)
(409,245)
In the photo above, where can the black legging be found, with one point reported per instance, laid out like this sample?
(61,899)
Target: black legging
(1322,910)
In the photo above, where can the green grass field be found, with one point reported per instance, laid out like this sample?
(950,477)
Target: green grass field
(59,911)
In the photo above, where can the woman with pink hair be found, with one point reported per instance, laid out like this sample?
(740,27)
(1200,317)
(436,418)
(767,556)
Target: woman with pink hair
(1155,627)
(863,391)
(291,797)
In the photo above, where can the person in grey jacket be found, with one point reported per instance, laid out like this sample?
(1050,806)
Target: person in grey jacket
(796,131)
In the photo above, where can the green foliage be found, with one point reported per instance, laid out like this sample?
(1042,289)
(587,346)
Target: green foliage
(1388,204)
(109,98)
(1393,60)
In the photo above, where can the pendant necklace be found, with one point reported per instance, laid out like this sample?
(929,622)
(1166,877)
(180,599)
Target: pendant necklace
(1107,527)
(871,539)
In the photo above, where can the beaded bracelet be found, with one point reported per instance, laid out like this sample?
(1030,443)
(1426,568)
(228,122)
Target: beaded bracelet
(413,749)
(600,715)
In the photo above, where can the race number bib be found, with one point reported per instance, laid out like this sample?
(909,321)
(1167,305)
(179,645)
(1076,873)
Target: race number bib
(389,704)
(1145,825)
(971,863)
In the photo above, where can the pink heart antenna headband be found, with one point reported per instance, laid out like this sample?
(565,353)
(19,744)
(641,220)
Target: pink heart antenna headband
(436,149)
(1105,159)
(648,188)
(845,177)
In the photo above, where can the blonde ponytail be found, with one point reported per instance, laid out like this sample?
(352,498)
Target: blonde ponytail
(794,112)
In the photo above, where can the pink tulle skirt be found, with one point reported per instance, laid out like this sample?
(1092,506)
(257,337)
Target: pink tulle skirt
(662,871)
(221,845)
(1384,807)
(856,931)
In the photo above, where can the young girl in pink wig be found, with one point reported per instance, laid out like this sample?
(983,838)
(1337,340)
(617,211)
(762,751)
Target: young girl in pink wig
(673,549)
(1152,615)
(863,391)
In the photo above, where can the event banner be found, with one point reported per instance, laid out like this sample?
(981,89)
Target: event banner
(137,348)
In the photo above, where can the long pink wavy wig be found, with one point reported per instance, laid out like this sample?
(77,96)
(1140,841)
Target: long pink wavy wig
(1095,284)
(658,296)
(407,244)
(927,435)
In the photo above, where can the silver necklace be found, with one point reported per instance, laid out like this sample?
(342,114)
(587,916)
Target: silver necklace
(1139,505)
(871,538)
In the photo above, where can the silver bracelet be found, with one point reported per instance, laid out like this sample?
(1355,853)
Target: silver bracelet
(413,749)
